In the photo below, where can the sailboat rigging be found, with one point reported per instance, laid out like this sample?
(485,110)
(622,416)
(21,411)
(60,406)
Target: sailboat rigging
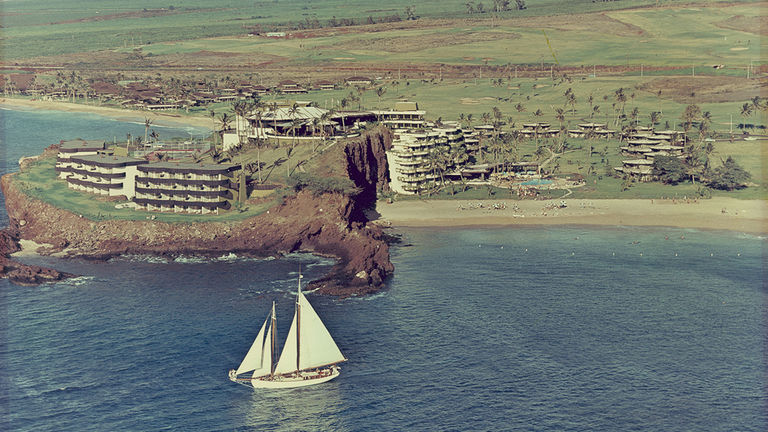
(309,356)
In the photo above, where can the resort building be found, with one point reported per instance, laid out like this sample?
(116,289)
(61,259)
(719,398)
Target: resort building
(590,130)
(640,169)
(411,169)
(102,174)
(77,147)
(359,81)
(186,188)
(405,115)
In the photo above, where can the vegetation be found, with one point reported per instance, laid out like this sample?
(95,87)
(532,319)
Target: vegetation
(729,176)
(319,185)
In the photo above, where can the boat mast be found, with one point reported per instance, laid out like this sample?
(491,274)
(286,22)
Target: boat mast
(298,324)
(272,342)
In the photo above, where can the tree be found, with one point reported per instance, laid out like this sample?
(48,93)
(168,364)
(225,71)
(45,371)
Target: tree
(147,123)
(520,4)
(380,92)
(746,110)
(410,12)
(670,169)
(729,176)
(691,114)
(560,116)
(654,117)
(212,115)
(621,101)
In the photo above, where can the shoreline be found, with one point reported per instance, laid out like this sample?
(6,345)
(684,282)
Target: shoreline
(729,214)
(158,118)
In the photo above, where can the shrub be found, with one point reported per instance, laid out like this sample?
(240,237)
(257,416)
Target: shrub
(319,185)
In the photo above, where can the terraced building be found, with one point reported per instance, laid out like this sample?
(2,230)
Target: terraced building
(187,187)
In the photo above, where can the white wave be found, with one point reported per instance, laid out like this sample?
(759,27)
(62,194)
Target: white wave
(152,259)
(228,257)
(77,281)
(368,297)
(185,259)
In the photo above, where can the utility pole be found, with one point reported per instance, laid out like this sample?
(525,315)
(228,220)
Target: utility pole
(641,70)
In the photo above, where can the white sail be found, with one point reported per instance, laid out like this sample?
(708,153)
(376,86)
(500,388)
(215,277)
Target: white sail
(317,348)
(254,359)
(266,355)
(287,362)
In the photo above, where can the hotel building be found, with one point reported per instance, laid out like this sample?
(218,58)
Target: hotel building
(186,187)
(101,174)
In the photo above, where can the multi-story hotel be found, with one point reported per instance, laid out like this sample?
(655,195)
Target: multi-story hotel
(410,167)
(405,115)
(186,187)
(100,174)
(77,147)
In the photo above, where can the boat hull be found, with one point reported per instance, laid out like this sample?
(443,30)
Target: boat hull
(303,379)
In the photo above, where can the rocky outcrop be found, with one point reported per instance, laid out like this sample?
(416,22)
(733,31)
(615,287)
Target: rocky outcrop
(23,274)
(330,224)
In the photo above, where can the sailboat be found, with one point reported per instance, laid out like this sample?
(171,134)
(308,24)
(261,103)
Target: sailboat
(309,356)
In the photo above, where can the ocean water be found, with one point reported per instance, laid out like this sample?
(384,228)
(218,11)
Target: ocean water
(547,329)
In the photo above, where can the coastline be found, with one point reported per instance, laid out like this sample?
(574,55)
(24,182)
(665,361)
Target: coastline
(748,216)
(158,118)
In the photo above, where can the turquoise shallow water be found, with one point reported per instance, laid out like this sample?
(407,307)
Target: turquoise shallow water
(480,329)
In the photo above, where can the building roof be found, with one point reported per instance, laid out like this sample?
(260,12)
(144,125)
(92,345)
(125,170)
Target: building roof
(285,114)
(358,79)
(81,145)
(107,161)
(406,106)
(176,167)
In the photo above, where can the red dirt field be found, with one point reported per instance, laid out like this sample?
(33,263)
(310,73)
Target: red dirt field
(706,89)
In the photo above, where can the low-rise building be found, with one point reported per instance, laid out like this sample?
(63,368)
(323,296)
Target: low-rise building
(186,187)
(404,115)
(102,174)
(76,147)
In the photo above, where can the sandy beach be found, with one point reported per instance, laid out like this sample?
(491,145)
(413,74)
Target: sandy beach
(158,118)
(747,216)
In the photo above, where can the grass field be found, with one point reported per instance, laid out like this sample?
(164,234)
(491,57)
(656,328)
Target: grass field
(35,28)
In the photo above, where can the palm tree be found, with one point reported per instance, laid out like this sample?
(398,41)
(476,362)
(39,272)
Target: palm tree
(621,100)
(654,116)
(225,120)
(343,103)
(212,115)
(147,123)
(380,92)
(746,110)
(560,116)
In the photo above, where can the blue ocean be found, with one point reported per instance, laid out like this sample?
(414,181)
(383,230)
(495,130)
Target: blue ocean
(546,329)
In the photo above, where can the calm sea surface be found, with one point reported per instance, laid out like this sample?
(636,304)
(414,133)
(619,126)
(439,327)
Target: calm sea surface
(552,329)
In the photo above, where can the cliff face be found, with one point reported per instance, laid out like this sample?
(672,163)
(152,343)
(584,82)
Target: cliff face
(367,163)
(328,224)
